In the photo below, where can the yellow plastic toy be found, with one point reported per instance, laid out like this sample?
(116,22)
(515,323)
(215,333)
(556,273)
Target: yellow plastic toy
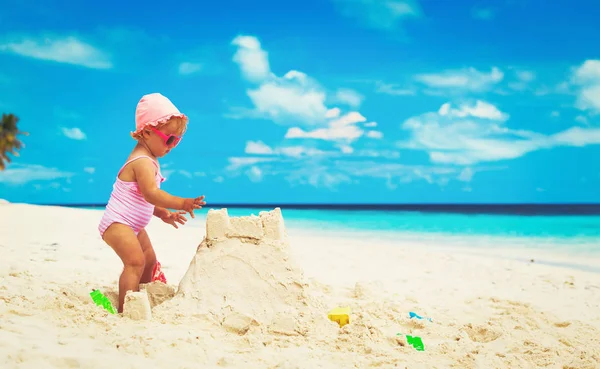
(341,315)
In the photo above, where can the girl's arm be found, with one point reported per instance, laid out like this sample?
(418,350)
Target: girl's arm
(160,212)
(145,172)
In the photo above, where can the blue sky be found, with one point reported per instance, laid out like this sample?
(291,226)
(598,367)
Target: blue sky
(316,101)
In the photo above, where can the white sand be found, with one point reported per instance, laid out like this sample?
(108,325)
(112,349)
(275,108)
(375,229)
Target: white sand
(250,300)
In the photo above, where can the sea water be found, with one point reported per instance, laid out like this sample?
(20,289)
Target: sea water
(575,233)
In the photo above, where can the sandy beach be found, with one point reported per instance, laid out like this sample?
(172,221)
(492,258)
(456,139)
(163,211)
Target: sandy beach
(249,303)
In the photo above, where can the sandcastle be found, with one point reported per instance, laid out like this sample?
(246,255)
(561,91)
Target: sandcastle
(268,226)
(242,275)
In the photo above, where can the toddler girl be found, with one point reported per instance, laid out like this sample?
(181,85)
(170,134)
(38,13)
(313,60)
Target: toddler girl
(136,194)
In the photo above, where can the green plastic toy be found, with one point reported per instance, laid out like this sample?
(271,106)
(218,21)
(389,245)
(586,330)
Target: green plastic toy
(415,342)
(102,301)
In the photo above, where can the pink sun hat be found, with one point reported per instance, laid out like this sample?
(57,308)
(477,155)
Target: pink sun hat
(154,109)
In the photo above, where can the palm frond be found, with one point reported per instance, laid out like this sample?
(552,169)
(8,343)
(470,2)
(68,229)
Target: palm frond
(9,143)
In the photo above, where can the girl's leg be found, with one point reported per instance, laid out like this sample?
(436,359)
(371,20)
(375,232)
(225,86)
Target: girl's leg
(149,256)
(123,240)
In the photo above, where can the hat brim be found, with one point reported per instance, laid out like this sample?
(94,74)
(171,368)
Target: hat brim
(159,121)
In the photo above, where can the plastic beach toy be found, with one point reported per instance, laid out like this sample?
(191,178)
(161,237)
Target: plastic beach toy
(102,301)
(341,315)
(415,342)
(158,275)
(417,316)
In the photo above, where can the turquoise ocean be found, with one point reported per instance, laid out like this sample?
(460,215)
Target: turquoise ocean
(579,234)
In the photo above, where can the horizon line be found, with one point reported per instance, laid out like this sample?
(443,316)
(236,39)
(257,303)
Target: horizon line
(366,204)
(460,208)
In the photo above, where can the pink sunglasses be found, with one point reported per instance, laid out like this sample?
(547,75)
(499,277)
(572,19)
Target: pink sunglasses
(169,140)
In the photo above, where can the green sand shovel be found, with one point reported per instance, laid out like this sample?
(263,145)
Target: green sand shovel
(415,342)
(102,301)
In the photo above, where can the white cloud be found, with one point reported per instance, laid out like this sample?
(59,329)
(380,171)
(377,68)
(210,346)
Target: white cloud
(255,174)
(89,170)
(52,185)
(398,172)
(562,88)
(251,58)
(392,89)
(319,176)
(294,98)
(333,113)
(375,134)
(238,162)
(331,175)
(258,147)
(73,133)
(346,149)
(342,128)
(581,119)
(466,175)
(219,179)
(467,139)
(586,78)
(589,98)
(168,172)
(68,50)
(525,75)
(468,79)
(290,99)
(577,136)
(18,174)
(385,15)
(300,151)
(185,173)
(589,71)
(349,97)
(267,154)
(481,109)
(523,80)
(380,153)
(331,170)
(186,68)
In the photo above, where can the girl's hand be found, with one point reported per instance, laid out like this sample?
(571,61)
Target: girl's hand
(189,205)
(173,218)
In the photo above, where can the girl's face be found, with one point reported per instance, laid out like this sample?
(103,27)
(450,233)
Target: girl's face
(162,140)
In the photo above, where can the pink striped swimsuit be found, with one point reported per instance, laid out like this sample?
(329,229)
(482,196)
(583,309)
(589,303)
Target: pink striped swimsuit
(127,204)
